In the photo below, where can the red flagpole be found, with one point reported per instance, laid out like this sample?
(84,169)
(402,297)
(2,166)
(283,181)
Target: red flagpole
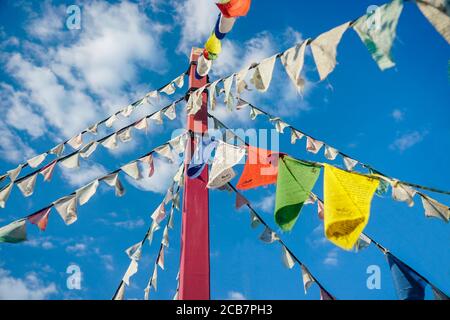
(195,265)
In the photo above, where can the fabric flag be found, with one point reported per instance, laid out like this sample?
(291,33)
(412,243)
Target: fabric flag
(131,271)
(241,85)
(408,283)
(169,195)
(120,294)
(325,295)
(223,26)
(294,184)
(241,104)
(157,117)
(279,124)
(240,201)
(169,89)
(226,157)
(324,49)
(296,135)
(14,173)
(176,201)
(165,239)
(261,168)
(165,152)
(153,228)
(135,251)
(14,232)
(212,94)
(47,171)
(26,186)
(178,144)
(203,66)
(320,209)
(112,180)
(109,123)
(148,160)
(154,279)
(349,163)
(312,145)
(67,209)
(330,153)
(403,193)
(170,224)
(213,46)
(439,295)
(152,95)
(110,142)
(268,236)
(159,214)
(71,162)
(93,129)
(4,194)
(58,150)
(347,205)
(76,142)
(288,260)
(384,182)
(234,8)
(437,12)
(88,149)
(227,83)
(132,169)
(263,74)
(308,279)
(85,193)
(254,220)
(170,112)
(124,135)
(141,124)
(36,161)
(201,156)
(254,113)
(40,219)
(127,111)
(293,60)
(362,243)
(435,209)
(377,30)
(179,81)
(160,261)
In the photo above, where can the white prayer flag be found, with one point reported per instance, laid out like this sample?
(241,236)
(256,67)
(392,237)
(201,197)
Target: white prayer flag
(435,209)
(268,236)
(263,74)
(71,162)
(135,251)
(312,145)
(154,227)
(113,181)
(161,258)
(241,104)
(254,220)
(120,294)
(36,161)
(179,81)
(132,269)
(307,278)
(288,260)
(141,124)
(76,142)
(154,280)
(350,163)
(26,186)
(203,66)
(437,12)
(157,117)
(241,85)
(212,93)
(169,89)
(84,194)
(296,135)
(165,151)
(195,101)
(226,157)
(4,194)
(254,113)
(14,173)
(324,49)
(330,153)
(88,149)
(159,214)
(109,123)
(227,83)
(132,169)
(67,208)
(362,243)
(125,135)
(110,142)
(165,239)
(58,150)
(170,112)
(320,209)
(293,60)
(93,129)
(127,111)
(279,124)
(171,219)
(403,193)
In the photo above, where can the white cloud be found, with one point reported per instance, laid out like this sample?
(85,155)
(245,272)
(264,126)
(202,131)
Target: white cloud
(130,224)
(398,115)
(12,147)
(45,243)
(234,295)
(332,258)
(28,288)
(85,174)
(108,261)
(408,140)
(266,204)
(78,248)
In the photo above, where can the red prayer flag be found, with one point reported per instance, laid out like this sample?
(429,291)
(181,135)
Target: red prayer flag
(235,8)
(40,219)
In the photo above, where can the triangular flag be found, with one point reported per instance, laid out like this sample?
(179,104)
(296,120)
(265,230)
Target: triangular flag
(132,269)
(47,171)
(125,135)
(135,251)
(308,280)
(141,124)
(36,161)
(377,30)
(294,184)
(403,193)
(154,227)
(120,294)
(330,153)
(435,209)
(113,181)
(437,12)
(127,111)
(160,261)
(312,145)
(154,279)
(26,185)
(148,160)
(254,220)
(67,209)
(347,202)
(254,113)
(212,93)
(14,173)
(170,112)
(71,162)
(349,163)
(226,157)
(240,201)
(324,295)
(263,74)
(439,295)
(170,224)
(159,214)
(40,219)
(14,232)
(227,83)
(279,124)
(362,243)
(76,142)
(110,142)
(132,169)
(157,117)
(409,285)
(169,89)
(165,239)
(179,81)
(296,135)
(165,151)
(109,123)
(203,66)
(261,168)
(152,95)
(293,60)
(320,209)
(195,101)
(85,193)
(4,194)
(288,260)
(93,129)
(88,149)
(268,236)
(58,150)
(324,49)
(241,85)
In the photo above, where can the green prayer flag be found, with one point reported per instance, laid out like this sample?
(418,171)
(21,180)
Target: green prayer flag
(377,30)
(294,184)
(14,232)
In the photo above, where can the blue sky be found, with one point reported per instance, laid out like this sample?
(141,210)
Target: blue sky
(54,82)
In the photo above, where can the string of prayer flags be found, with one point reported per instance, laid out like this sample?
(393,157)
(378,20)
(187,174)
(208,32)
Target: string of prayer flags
(279,124)
(293,60)
(288,260)
(296,135)
(226,157)
(294,184)
(58,150)
(170,112)
(409,284)
(437,12)
(234,8)
(40,219)
(261,168)
(109,123)
(85,193)
(377,30)
(169,89)
(37,160)
(307,278)
(263,74)
(324,49)
(435,209)
(268,236)
(124,135)
(132,169)
(347,205)
(67,209)
(113,181)
(127,111)
(26,185)
(14,232)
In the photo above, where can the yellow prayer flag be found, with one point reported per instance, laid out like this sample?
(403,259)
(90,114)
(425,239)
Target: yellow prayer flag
(213,45)
(347,198)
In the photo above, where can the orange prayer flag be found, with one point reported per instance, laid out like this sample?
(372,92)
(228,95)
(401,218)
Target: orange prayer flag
(261,168)
(234,8)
